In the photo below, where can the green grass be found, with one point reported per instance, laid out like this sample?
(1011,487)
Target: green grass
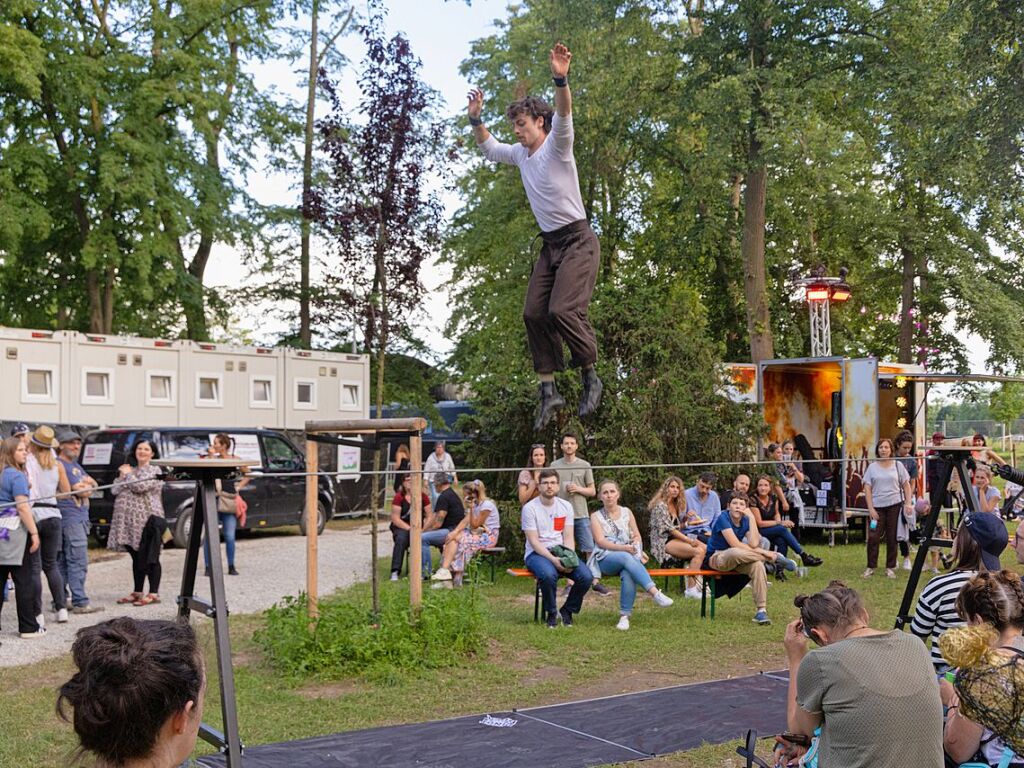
(524,665)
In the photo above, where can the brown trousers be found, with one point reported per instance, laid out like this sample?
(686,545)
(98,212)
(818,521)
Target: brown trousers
(558,295)
(888,520)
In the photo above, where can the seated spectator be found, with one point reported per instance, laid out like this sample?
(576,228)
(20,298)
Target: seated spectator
(477,530)
(727,551)
(740,485)
(989,498)
(992,603)
(619,551)
(547,522)
(137,697)
(528,477)
(873,694)
(668,541)
(772,526)
(976,548)
(702,503)
(447,513)
(401,509)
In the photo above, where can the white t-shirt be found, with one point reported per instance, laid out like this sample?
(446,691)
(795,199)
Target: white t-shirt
(549,174)
(541,517)
(433,465)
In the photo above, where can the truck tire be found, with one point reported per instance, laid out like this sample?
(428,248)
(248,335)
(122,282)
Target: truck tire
(321,519)
(182,526)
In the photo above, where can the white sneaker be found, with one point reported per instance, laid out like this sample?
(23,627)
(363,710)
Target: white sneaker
(442,574)
(868,573)
(890,573)
(41,620)
(623,623)
(41,632)
(906,563)
(394,575)
(662,599)
(933,569)
(693,593)
(62,616)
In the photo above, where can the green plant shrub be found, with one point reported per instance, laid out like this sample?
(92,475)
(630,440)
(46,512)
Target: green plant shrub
(345,641)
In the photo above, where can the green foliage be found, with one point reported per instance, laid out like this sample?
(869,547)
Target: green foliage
(345,641)
(1006,403)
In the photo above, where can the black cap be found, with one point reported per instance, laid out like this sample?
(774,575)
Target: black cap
(989,531)
(20,429)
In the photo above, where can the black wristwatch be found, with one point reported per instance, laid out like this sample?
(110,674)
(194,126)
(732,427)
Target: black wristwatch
(475,121)
(560,82)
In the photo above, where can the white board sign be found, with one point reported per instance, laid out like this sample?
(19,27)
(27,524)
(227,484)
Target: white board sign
(826,485)
(822,498)
(97,453)
(349,461)
(247,447)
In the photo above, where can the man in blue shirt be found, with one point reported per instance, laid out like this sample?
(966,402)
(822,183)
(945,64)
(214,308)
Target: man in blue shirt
(702,502)
(73,559)
(727,551)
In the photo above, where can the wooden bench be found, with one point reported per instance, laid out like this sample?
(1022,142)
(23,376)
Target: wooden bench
(709,581)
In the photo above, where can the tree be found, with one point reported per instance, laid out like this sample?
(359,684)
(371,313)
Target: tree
(382,218)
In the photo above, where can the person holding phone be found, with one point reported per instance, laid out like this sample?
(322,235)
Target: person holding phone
(547,525)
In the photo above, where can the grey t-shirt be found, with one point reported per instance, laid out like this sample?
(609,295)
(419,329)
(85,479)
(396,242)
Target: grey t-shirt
(886,483)
(879,700)
(578,472)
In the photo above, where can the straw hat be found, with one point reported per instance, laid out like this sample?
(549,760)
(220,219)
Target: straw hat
(44,437)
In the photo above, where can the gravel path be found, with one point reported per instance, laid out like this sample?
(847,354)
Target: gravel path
(271,567)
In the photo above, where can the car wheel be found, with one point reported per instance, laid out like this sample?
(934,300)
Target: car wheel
(321,519)
(101,536)
(182,527)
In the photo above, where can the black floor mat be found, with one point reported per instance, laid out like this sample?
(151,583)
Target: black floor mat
(573,735)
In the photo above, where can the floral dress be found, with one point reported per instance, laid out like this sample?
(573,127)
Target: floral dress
(661,524)
(137,497)
(472,540)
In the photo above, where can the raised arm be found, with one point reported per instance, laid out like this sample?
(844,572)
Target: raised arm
(560,59)
(492,149)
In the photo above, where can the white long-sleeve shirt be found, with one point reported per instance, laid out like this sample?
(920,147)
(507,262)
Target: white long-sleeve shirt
(549,174)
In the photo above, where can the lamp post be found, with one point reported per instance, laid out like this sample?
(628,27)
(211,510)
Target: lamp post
(821,291)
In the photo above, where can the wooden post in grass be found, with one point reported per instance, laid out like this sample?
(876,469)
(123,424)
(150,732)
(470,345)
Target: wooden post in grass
(376,429)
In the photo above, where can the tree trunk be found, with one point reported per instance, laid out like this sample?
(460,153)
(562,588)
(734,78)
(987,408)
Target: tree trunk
(754,279)
(305,330)
(92,286)
(906,348)
(922,317)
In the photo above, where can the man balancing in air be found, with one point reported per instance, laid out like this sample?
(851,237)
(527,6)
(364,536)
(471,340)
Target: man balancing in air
(563,278)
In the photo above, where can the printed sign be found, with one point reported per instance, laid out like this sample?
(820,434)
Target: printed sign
(97,453)
(826,485)
(349,461)
(822,498)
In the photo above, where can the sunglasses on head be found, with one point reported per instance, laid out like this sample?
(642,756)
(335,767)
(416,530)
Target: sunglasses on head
(535,446)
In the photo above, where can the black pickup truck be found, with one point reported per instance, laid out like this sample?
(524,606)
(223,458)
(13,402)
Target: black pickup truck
(273,501)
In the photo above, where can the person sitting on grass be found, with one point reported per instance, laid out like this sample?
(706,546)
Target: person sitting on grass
(727,551)
(447,514)
(873,694)
(477,530)
(401,527)
(772,526)
(619,551)
(137,696)
(668,542)
(547,523)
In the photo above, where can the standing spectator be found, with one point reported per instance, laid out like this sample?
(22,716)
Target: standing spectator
(988,495)
(438,462)
(402,465)
(231,506)
(446,513)
(401,510)
(477,530)
(727,551)
(549,545)
(576,485)
(773,527)
(528,487)
(904,448)
(619,550)
(19,538)
(740,485)
(74,513)
(668,542)
(702,502)
(137,524)
(22,432)
(46,479)
(887,492)
(976,547)
(874,694)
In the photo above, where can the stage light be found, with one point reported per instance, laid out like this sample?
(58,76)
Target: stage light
(817,293)
(840,292)
(901,422)
(901,401)
(901,382)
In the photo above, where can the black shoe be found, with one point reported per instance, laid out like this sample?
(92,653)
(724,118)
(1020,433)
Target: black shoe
(601,589)
(550,401)
(206,573)
(232,571)
(592,389)
(810,560)
(552,621)
(566,617)
(780,575)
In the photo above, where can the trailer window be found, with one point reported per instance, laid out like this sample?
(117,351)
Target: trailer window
(261,392)
(305,394)
(351,399)
(97,386)
(38,383)
(160,388)
(208,390)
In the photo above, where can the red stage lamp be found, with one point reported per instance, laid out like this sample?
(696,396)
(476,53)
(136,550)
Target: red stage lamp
(817,293)
(840,292)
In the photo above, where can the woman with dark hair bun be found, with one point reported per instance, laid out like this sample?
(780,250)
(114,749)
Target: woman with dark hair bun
(137,524)
(137,697)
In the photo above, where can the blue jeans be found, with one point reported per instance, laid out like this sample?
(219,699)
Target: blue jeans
(73,560)
(583,534)
(229,524)
(547,576)
(434,538)
(632,574)
(782,539)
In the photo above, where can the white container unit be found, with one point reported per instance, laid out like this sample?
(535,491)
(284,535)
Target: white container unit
(230,384)
(324,385)
(34,389)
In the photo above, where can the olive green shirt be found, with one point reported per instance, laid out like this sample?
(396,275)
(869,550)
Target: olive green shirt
(578,472)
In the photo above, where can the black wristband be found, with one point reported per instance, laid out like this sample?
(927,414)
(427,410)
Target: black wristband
(560,82)
(475,121)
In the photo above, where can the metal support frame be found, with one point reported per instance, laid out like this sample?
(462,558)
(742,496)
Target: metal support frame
(821,328)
